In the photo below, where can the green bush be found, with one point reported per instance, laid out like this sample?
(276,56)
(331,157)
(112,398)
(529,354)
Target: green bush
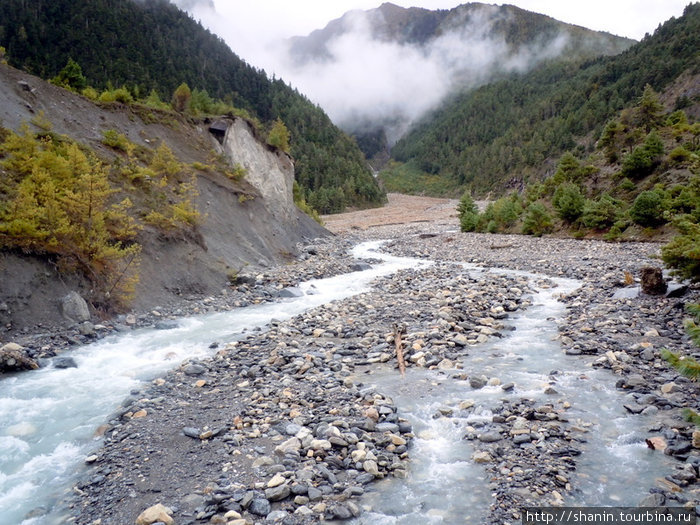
(537,220)
(647,209)
(643,159)
(568,201)
(601,213)
(683,252)
(468,213)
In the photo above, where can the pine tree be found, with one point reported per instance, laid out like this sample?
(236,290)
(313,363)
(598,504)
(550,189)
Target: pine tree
(686,365)
(181,98)
(279,136)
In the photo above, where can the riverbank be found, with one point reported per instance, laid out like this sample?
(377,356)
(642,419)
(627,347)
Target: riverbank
(277,426)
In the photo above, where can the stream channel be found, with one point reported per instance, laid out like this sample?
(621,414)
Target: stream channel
(48,416)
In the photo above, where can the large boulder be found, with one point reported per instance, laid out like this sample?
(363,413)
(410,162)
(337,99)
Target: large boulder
(653,281)
(13,358)
(74,308)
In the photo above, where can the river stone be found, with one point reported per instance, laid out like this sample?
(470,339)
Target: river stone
(166,324)
(340,512)
(64,362)
(477,382)
(489,437)
(696,439)
(370,466)
(635,380)
(259,507)
(520,439)
(315,494)
(154,514)
(679,448)
(13,357)
(653,500)
(194,370)
(277,480)
(277,493)
(387,427)
(74,308)
(291,445)
(290,292)
(481,457)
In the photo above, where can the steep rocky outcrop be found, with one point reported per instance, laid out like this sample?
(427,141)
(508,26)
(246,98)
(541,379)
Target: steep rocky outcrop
(250,222)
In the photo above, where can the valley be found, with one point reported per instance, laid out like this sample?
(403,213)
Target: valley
(465,284)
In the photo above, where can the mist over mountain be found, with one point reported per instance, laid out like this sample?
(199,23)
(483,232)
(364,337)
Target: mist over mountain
(386,67)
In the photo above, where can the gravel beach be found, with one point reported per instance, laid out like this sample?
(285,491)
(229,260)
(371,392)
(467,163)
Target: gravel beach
(276,427)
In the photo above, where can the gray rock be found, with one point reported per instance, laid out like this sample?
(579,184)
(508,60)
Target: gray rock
(676,290)
(276,516)
(630,292)
(489,437)
(314,494)
(340,512)
(74,308)
(520,439)
(278,493)
(87,329)
(166,324)
(653,500)
(64,362)
(194,370)
(477,382)
(387,427)
(259,507)
(191,432)
(290,292)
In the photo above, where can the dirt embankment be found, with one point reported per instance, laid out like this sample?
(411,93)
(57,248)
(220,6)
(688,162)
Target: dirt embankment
(234,232)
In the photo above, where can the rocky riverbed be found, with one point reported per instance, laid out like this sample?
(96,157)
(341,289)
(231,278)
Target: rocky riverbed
(278,427)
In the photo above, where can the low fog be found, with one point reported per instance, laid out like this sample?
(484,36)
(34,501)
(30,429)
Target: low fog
(368,80)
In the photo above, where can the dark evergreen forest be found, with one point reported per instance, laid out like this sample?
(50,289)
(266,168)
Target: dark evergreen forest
(152,45)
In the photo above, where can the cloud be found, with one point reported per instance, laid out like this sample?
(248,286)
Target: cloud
(367,79)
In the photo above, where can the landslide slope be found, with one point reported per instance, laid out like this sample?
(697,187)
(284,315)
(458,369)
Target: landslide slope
(241,201)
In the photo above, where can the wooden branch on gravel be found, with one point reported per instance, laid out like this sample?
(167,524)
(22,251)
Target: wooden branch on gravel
(399,329)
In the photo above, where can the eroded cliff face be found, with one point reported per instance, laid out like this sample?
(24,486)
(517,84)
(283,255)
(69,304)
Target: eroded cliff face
(268,169)
(251,223)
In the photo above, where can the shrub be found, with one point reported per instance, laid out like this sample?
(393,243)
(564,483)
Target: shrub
(181,98)
(643,159)
(647,209)
(279,136)
(568,201)
(683,252)
(116,140)
(468,213)
(116,95)
(537,220)
(601,213)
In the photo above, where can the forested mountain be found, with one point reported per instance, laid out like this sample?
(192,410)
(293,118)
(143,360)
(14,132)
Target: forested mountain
(152,45)
(511,132)
(413,58)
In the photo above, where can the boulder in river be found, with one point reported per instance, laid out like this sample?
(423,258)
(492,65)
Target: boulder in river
(13,358)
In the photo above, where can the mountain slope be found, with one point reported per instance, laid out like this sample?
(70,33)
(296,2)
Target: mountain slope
(385,67)
(507,133)
(172,217)
(151,44)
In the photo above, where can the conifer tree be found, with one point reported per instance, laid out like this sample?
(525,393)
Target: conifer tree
(686,365)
